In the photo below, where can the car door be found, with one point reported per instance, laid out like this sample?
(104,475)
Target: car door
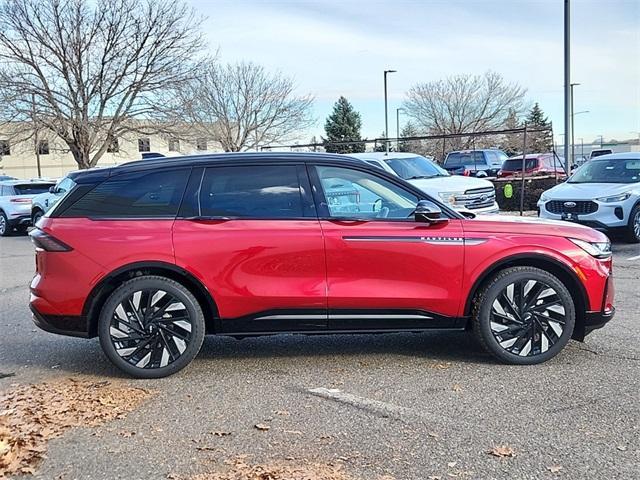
(251,235)
(384,269)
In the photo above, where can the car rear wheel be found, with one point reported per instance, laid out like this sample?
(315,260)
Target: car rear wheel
(151,327)
(5,229)
(633,230)
(524,316)
(37,215)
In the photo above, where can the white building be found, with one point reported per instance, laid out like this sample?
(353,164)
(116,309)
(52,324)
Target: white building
(19,158)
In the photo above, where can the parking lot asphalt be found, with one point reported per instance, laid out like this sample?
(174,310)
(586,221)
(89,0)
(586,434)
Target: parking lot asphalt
(402,406)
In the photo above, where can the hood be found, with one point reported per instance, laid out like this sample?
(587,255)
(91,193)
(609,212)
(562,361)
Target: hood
(587,191)
(453,183)
(532,226)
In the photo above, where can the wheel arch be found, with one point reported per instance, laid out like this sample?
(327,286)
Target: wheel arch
(100,293)
(544,262)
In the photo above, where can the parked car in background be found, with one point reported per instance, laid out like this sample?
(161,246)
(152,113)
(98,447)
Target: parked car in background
(604,193)
(474,163)
(6,177)
(536,164)
(15,203)
(461,193)
(600,152)
(151,255)
(41,204)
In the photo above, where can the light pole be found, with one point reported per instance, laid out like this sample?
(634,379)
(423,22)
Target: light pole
(573,156)
(573,122)
(386,116)
(398,110)
(567,79)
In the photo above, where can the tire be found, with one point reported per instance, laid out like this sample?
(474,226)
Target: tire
(523,329)
(633,229)
(145,346)
(35,216)
(5,228)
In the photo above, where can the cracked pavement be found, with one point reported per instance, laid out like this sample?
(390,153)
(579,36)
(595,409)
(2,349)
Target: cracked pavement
(410,406)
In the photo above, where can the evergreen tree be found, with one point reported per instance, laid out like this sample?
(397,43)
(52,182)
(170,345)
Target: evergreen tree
(380,147)
(538,142)
(343,125)
(412,146)
(512,143)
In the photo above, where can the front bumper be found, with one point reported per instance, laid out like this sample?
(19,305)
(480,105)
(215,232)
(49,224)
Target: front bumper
(602,219)
(490,210)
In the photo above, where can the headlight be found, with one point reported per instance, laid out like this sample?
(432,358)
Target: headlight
(449,197)
(595,249)
(615,198)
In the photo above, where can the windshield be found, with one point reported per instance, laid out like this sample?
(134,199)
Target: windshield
(515,164)
(461,159)
(32,188)
(415,167)
(608,171)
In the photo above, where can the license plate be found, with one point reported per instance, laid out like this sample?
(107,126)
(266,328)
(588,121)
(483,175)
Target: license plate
(571,217)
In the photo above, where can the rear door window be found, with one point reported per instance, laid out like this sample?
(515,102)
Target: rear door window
(32,188)
(258,192)
(134,195)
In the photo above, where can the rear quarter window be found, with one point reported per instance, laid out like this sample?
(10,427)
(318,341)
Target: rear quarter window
(134,195)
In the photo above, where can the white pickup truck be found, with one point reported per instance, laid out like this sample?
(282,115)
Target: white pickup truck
(461,193)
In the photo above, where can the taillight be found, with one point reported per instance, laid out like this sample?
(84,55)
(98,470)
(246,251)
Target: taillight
(20,200)
(47,242)
(466,172)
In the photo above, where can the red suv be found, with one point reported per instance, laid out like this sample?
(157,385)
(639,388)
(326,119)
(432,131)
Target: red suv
(535,164)
(152,255)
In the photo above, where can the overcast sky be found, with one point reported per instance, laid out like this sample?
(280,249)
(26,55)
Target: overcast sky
(334,48)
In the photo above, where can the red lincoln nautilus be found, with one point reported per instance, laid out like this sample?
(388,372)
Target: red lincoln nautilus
(152,255)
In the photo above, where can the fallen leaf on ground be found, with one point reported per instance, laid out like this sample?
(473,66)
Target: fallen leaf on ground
(261,426)
(239,470)
(282,412)
(554,468)
(456,388)
(502,452)
(33,414)
(126,434)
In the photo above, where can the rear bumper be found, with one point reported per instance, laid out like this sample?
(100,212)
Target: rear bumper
(22,220)
(60,324)
(595,320)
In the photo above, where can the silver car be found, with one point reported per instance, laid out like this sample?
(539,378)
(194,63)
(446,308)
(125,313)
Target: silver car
(15,203)
(604,193)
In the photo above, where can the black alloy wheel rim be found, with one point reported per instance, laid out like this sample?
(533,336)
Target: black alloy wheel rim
(3,225)
(636,225)
(150,328)
(527,318)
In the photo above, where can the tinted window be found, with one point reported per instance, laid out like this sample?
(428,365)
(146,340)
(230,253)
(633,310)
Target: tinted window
(495,159)
(352,193)
(515,164)
(251,192)
(142,194)
(31,188)
(461,159)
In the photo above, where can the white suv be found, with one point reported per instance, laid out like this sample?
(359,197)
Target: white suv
(15,203)
(604,193)
(461,193)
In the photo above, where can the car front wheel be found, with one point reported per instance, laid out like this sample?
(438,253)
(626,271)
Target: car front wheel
(524,316)
(5,229)
(633,230)
(151,327)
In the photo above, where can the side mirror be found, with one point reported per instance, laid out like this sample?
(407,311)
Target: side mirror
(428,212)
(52,189)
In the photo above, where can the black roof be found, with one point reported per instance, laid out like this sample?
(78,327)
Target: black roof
(86,176)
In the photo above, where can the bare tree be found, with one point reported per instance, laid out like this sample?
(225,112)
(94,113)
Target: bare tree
(464,104)
(90,71)
(242,106)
